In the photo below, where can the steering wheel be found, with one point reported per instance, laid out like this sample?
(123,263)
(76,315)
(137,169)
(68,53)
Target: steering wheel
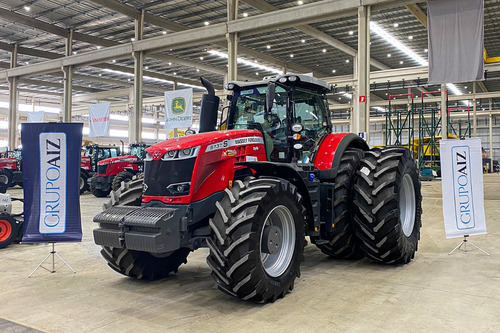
(274,120)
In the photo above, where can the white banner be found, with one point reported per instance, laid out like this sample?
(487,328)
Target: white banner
(99,119)
(179,108)
(462,185)
(36,117)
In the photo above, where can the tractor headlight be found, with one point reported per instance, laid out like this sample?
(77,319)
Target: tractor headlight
(282,79)
(181,154)
(148,157)
(292,78)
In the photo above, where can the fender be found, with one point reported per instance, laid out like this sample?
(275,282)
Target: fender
(331,148)
(84,173)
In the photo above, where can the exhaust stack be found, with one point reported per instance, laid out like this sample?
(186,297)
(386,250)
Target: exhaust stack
(209,108)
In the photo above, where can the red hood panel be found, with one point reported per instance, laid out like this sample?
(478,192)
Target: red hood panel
(118,159)
(202,139)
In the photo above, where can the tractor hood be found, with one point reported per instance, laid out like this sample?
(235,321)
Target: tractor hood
(203,140)
(7,159)
(128,158)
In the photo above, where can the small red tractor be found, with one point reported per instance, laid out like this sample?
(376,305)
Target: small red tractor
(91,155)
(111,172)
(11,168)
(253,192)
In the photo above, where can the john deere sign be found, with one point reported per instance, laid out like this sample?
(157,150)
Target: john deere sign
(178,105)
(179,108)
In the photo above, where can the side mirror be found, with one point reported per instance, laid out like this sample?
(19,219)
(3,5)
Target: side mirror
(270,95)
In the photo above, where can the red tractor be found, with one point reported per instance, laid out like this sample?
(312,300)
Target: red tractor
(111,172)
(11,168)
(252,193)
(91,155)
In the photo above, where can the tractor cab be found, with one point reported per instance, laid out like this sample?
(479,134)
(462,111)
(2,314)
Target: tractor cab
(98,153)
(289,110)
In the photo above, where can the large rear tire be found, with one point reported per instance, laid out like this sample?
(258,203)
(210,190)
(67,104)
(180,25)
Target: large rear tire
(137,264)
(257,239)
(83,182)
(387,203)
(98,192)
(342,241)
(9,230)
(123,176)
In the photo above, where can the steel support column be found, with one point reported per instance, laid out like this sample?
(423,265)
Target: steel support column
(474,110)
(13,101)
(361,97)
(444,113)
(68,81)
(491,135)
(136,116)
(232,42)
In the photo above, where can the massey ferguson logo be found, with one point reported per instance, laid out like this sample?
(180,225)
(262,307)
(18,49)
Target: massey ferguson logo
(156,154)
(144,187)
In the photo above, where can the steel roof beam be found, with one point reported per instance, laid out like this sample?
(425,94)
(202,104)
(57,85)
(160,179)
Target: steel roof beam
(315,33)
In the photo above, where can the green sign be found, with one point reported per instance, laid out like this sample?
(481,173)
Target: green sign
(178,105)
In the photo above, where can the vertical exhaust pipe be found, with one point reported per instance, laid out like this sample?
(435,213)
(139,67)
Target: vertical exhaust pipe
(209,108)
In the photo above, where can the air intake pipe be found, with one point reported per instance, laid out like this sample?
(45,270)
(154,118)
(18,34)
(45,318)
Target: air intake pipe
(209,108)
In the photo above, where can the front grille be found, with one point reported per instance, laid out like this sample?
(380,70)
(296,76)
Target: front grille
(158,175)
(101,169)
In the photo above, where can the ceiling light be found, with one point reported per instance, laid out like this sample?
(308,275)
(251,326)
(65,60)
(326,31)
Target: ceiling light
(351,33)
(401,62)
(132,39)
(340,98)
(300,2)
(396,25)
(268,47)
(175,73)
(27,8)
(388,55)
(100,74)
(245,14)
(347,61)
(465,87)
(375,28)
(128,80)
(201,58)
(334,70)
(197,70)
(90,85)
(257,73)
(303,41)
(164,32)
(206,23)
(147,67)
(410,37)
(99,47)
(291,55)
(27,62)
(324,50)
(170,64)
(246,62)
(113,61)
(426,50)
(74,52)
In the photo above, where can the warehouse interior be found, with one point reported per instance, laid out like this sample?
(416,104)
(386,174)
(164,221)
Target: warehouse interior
(62,56)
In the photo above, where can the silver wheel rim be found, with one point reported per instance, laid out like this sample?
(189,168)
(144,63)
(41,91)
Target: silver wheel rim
(276,264)
(407,204)
(3,179)
(81,183)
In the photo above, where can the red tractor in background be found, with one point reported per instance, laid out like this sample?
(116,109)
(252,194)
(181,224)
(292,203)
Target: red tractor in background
(11,168)
(111,172)
(252,193)
(91,156)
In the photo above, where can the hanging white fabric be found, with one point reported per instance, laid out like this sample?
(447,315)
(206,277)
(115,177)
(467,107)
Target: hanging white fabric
(99,119)
(179,108)
(456,40)
(36,117)
(462,185)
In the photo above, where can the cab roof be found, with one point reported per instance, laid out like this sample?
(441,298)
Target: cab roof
(302,80)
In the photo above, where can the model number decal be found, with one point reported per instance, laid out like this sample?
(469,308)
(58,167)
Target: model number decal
(235,142)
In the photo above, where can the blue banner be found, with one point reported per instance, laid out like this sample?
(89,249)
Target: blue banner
(51,175)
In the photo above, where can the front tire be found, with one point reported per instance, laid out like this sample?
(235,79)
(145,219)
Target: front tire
(83,182)
(257,239)
(6,177)
(97,192)
(388,205)
(137,264)
(9,230)
(123,176)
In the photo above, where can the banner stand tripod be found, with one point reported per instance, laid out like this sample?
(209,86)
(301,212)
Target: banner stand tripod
(464,243)
(52,253)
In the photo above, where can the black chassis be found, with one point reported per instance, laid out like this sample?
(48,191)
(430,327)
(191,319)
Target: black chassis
(102,182)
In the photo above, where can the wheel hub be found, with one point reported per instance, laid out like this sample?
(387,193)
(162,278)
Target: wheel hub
(5,230)
(271,239)
(407,205)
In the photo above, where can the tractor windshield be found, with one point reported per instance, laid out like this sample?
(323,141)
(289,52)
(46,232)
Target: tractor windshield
(137,151)
(306,107)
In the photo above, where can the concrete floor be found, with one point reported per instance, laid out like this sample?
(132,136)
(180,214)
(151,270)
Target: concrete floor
(434,293)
